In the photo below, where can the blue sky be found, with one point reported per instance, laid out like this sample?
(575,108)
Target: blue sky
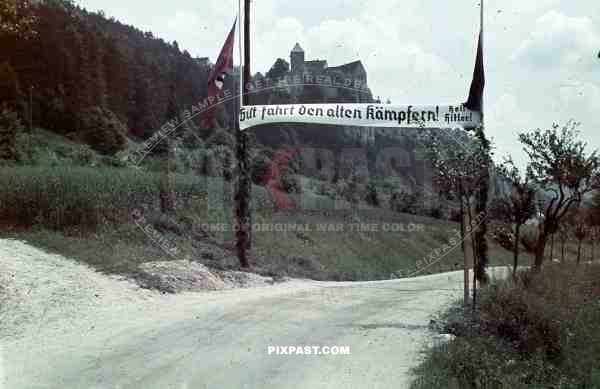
(541,56)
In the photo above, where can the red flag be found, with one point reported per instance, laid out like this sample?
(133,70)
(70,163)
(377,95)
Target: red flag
(216,78)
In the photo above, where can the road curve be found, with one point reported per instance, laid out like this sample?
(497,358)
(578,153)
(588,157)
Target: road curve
(221,339)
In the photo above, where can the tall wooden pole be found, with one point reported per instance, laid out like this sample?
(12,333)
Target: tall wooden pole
(31,108)
(243,185)
(480,254)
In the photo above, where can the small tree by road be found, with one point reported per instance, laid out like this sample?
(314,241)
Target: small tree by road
(563,171)
(520,205)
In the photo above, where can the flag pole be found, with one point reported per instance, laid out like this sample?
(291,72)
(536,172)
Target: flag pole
(480,256)
(246,100)
(482,50)
(241,53)
(243,185)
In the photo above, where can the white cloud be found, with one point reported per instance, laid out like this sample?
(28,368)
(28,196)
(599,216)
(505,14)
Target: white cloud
(541,62)
(183,21)
(559,40)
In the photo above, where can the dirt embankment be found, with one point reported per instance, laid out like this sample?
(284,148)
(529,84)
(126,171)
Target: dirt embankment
(38,288)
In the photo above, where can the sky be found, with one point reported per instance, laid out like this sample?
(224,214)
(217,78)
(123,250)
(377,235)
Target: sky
(541,56)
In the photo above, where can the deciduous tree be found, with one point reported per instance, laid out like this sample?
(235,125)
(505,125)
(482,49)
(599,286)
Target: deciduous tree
(520,205)
(562,169)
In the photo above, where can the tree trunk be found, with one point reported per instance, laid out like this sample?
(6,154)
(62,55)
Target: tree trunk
(516,249)
(462,245)
(539,250)
(462,217)
(579,241)
(552,246)
(592,250)
(473,251)
(562,249)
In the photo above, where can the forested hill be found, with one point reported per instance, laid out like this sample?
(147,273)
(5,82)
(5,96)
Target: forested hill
(83,66)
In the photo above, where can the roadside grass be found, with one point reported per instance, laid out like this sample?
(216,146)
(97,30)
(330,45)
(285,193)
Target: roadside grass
(541,331)
(84,213)
(367,255)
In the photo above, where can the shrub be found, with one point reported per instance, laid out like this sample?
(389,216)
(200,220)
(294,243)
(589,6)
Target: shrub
(259,166)
(528,237)
(371,197)
(10,128)
(221,137)
(523,319)
(503,237)
(84,155)
(435,213)
(291,182)
(404,202)
(541,331)
(217,161)
(103,130)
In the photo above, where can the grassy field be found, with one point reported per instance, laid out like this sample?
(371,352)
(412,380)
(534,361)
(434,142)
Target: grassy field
(73,201)
(540,332)
(84,212)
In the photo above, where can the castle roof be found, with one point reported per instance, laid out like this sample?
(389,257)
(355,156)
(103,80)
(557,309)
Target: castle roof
(316,62)
(351,66)
(297,49)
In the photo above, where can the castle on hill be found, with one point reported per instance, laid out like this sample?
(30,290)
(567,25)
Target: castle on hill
(344,83)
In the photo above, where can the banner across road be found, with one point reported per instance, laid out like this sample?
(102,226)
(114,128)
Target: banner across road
(363,115)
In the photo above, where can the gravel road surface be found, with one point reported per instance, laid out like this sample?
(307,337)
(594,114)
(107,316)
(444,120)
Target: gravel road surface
(67,326)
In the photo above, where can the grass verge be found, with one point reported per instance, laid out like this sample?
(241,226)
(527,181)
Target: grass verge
(541,331)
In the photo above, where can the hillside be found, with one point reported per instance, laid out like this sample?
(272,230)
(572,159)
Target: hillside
(104,83)
(110,88)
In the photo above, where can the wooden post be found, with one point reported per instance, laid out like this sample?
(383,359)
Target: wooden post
(466,296)
(481,196)
(243,185)
(31,108)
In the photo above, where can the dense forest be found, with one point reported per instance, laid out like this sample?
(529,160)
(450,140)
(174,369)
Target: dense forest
(78,68)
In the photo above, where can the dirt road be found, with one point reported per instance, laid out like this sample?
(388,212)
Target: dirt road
(66,326)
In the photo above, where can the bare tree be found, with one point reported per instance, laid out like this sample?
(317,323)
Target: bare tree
(561,168)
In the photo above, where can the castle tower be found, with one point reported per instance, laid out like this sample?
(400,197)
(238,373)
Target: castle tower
(297,60)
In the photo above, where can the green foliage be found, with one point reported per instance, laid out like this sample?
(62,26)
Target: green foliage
(80,60)
(404,202)
(540,332)
(9,85)
(82,198)
(84,156)
(560,165)
(103,131)
(10,128)
(259,166)
(499,209)
(559,158)
(520,205)
(221,137)
(529,237)
(17,19)
(217,162)
(371,197)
